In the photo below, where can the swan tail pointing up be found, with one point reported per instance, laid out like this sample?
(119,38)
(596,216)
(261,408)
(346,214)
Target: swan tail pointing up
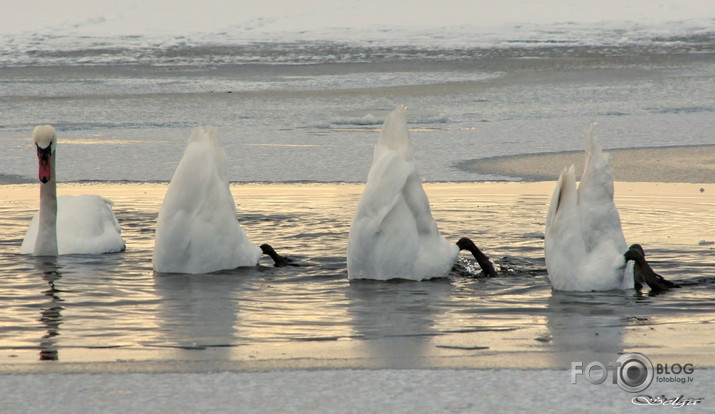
(393,234)
(395,134)
(597,210)
(197,230)
(597,179)
(584,242)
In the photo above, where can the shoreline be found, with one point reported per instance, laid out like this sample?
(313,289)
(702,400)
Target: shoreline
(687,164)
(693,164)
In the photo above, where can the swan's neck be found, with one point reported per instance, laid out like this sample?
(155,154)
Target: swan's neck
(484,262)
(46,243)
(277,259)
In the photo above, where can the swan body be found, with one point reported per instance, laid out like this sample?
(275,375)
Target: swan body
(584,244)
(197,230)
(68,224)
(393,234)
(85,225)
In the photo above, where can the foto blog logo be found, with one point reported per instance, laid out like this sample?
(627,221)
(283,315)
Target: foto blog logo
(633,372)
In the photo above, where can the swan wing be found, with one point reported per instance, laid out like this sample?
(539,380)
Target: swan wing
(564,248)
(85,225)
(436,255)
(28,243)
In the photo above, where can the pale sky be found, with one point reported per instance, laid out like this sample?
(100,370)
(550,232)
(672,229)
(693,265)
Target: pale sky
(111,17)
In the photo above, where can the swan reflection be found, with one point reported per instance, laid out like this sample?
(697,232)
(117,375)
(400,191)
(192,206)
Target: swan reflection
(587,326)
(51,312)
(199,312)
(396,319)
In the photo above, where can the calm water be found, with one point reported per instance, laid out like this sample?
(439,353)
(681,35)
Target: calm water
(113,307)
(307,112)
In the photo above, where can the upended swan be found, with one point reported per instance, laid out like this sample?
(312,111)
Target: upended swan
(197,230)
(584,245)
(67,224)
(393,234)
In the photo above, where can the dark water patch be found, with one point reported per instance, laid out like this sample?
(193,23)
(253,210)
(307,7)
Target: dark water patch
(14,179)
(463,348)
(268,216)
(483,329)
(705,282)
(517,266)
(682,110)
(192,347)
(136,51)
(90,126)
(320,339)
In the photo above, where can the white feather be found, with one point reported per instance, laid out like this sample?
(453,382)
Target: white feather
(393,234)
(197,230)
(85,225)
(584,243)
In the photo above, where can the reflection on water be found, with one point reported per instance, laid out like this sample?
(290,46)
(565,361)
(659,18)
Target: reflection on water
(113,307)
(586,326)
(51,313)
(198,312)
(397,319)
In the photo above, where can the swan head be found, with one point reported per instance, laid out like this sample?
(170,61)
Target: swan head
(644,274)
(45,141)
(465,244)
(484,262)
(634,252)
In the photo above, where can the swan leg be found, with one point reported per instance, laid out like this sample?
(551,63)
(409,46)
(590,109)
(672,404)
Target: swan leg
(278,260)
(484,262)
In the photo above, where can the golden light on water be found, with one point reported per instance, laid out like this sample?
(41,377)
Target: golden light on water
(352,323)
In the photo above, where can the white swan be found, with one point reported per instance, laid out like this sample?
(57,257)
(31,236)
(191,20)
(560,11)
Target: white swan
(584,245)
(66,225)
(393,234)
(197,230)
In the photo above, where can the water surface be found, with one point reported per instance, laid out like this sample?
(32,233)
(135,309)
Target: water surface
(295,112)
(113,307)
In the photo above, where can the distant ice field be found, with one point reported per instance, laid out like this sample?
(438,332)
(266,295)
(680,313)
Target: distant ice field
(222,31)
(346,45)
(299,92)
(319,122)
